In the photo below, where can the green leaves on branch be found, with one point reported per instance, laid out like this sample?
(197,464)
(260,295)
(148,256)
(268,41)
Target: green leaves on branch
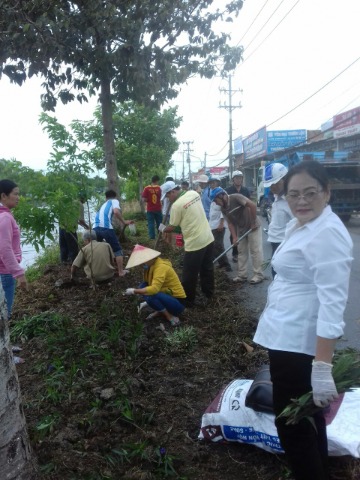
(346,374)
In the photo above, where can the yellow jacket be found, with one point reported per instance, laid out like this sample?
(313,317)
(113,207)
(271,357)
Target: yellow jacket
(161,277)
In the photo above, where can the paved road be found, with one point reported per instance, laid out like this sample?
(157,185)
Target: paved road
(254,296)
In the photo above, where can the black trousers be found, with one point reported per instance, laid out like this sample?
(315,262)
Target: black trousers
(199,262)
(219,247)
(234,249)
(305,444)
(274,247)
(68,242)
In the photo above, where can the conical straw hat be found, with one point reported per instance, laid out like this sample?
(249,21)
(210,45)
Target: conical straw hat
(141,255)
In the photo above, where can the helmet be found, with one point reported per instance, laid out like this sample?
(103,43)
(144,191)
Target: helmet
(214,178)
(203,179)
(273,173)
(216,192)
(237,173)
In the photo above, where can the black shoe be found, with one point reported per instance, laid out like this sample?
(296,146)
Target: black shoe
(235,258)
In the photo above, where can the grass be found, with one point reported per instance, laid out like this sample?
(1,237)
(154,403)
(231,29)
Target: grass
(49,256)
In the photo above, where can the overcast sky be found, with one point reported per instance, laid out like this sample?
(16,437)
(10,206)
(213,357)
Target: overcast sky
(293,49)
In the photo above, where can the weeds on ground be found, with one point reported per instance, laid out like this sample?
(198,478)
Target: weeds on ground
(49,256)
(181,340)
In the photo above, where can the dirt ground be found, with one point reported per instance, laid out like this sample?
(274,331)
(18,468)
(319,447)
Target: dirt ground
(106,397)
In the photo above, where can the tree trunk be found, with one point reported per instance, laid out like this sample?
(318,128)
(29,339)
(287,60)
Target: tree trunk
(141,188)
(109,143)
(16,461)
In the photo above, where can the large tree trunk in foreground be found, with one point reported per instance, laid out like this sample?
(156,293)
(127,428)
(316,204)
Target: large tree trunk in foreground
(109,143)
(16,462)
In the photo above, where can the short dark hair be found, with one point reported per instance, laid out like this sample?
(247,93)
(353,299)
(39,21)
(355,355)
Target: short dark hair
(110,194)
(313,168)
(7,186)
(185,182)
(155,178)
(169,179)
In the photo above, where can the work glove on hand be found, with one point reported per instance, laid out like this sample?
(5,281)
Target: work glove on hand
(130,291)
(161,227)
(323,385)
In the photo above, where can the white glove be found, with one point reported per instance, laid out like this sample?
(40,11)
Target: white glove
(323,385)
(161,227)
(130,291)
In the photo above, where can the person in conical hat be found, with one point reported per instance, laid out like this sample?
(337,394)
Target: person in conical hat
(161,288)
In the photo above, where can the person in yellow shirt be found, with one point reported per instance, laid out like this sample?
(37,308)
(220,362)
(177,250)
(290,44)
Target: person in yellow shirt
(187,212)
(161,288)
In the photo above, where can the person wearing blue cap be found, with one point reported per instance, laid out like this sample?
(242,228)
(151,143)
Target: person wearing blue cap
(241,215)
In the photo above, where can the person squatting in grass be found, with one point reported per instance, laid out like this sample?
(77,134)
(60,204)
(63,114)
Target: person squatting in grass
(304,314)
(97,258)
(161,288)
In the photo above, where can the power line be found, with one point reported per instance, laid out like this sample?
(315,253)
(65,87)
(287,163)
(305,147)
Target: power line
(315,93)
(272,31)
(264,25)
(252,23)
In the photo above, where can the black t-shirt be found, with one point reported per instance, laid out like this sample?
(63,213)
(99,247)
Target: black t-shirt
(243,191)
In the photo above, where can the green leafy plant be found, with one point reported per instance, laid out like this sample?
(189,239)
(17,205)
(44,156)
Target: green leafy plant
(38,325)
(47,425)
(181,339)
(346,374)
(49,256)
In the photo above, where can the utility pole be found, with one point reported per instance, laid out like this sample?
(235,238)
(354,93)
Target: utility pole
(205,155)
(183,165)
(230,107)
(188,143)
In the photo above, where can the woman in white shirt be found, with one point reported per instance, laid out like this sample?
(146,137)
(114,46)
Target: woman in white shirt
(303,316)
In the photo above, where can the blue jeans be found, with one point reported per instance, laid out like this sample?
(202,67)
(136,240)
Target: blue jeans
(162,301)
(152,219)
(8,284)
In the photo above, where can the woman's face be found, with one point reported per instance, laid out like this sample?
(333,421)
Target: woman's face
(10,201)
(306,197)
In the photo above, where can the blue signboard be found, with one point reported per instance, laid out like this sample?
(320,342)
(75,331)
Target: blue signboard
(281,139)
(255,144)
(238,145)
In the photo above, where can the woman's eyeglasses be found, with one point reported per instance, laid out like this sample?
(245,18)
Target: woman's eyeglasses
(309,197)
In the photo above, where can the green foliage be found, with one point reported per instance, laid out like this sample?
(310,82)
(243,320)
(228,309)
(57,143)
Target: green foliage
(181,339)
(144,140)
(38,326)
(144,49)
(346,374)
(46,425)
(49,256)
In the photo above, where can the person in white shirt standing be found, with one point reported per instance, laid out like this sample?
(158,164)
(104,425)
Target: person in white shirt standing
(104,228)
(303,316)
(280,210)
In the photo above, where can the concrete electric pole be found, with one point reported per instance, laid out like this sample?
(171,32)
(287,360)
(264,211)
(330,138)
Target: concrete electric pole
(230,107)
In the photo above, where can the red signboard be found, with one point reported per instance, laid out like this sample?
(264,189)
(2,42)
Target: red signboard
(347,123)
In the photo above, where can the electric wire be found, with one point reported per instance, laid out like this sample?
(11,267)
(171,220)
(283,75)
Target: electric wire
(272,31)
(252,23)
(264,25)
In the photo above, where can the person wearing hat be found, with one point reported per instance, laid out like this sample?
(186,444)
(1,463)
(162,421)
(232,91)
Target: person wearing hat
(203,182)
(217,225)
(237,187)
(241,215)
(280,211)
(161,289)
(188,213)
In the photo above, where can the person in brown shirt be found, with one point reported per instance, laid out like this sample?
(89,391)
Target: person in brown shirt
(241,215)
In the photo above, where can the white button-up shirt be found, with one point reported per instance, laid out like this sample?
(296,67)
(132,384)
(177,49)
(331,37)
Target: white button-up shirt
(280,216)
(309,293)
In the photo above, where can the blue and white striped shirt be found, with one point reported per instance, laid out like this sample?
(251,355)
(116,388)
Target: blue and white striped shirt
(104,215)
